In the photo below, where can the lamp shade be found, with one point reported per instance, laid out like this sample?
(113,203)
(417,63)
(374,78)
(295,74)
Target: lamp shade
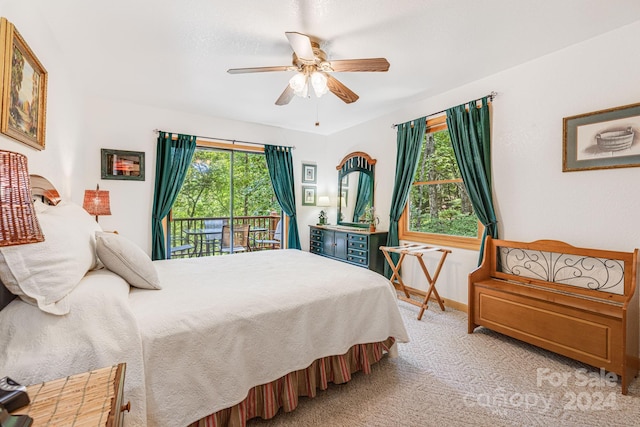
(96,202)
(324,201)
(319,83)
(18,221)
(299,84)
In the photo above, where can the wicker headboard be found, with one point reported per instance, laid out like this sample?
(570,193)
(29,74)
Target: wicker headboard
(42,189)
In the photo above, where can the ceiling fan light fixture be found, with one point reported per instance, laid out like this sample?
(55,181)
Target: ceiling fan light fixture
(319,83)
(312,68)
(299,84)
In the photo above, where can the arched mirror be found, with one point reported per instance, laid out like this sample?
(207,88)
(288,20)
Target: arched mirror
(356,179)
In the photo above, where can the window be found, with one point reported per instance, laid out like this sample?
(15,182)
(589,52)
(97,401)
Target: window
(439,210)
(225,185)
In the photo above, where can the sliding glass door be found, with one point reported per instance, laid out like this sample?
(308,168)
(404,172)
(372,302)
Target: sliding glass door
(226,205)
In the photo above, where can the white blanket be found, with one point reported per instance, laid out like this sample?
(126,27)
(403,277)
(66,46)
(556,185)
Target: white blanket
(219,326)
(257,316)
(100,330)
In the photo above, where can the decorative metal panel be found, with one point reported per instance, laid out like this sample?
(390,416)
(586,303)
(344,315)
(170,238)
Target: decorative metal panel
(576,270)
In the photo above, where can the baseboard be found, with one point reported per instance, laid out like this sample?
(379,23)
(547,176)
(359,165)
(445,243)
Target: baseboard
(447,302)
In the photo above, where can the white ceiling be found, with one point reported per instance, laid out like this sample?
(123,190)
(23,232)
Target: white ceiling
(174,53)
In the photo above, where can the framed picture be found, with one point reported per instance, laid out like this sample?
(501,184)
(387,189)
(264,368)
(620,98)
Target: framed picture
(23,83)
(308,173)
(308,196)
(119,164)
(602,140)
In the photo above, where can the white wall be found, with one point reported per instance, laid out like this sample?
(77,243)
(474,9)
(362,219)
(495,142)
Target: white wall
(117,125)
(535,199)
(61,161)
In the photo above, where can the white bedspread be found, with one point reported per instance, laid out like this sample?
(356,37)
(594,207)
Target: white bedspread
(219,326)
(257,317)
(100,330)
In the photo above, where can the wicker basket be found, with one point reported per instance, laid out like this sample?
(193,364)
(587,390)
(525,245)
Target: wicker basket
(615,140)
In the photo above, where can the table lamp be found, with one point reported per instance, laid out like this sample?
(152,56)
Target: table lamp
(96,202)
(18,226)
(323,201)
(18,221)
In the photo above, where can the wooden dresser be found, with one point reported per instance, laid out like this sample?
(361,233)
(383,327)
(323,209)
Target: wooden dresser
(88,399)
(349,245)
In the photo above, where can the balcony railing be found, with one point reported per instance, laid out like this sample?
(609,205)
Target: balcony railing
(185,242)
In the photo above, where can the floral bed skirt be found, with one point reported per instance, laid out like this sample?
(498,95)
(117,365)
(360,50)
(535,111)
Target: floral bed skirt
(265,400)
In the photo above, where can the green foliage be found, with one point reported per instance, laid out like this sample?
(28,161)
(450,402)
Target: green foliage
(454,224)
(206,191)
(440,207)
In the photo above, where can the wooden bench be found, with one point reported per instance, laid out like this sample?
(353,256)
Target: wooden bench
(581,303)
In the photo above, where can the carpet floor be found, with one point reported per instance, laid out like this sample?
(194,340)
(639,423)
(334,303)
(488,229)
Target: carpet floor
(446,377)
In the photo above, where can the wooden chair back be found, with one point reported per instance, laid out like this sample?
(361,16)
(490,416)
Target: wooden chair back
(240,237)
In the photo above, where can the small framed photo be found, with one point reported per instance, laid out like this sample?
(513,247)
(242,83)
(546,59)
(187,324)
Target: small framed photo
(23,89)
(602,139)
(308,196)
(125,165)
(309,173)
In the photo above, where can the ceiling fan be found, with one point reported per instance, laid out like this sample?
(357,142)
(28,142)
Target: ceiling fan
(313,70)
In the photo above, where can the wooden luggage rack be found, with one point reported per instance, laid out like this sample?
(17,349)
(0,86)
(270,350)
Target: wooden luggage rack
(405,292)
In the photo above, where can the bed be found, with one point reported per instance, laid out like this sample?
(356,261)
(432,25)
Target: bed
(213,340)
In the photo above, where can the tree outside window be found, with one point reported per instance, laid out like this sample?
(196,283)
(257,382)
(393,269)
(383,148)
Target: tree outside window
(207,189)
(439,210)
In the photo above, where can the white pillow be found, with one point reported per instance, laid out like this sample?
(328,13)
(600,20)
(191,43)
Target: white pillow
(127,260)
(45,273)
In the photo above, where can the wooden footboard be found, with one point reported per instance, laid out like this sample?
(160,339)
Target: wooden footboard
(577,302)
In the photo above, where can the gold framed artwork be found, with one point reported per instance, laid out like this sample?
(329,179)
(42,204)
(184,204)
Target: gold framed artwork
(602,139)
(23,88)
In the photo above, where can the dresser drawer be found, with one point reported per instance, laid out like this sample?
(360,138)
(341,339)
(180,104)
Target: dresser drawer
(357,260)
(354,247)
(358,238)
(360,253)
(315,247)
(357,244)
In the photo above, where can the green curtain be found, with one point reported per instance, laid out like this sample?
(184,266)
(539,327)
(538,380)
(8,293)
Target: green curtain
(363,196)
(172,162)
(280,165)
(409,142)
(471,139)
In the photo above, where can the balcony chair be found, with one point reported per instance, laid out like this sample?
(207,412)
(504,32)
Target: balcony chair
(240,239)
(213,235)
(273,240)
(181,251)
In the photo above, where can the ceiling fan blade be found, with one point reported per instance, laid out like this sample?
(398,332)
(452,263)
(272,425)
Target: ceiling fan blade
(301,45)
(368,64)
(340,90)
(286,96)
(261,69)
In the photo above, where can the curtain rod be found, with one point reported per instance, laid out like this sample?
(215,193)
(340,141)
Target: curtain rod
(233,141)
(490,96)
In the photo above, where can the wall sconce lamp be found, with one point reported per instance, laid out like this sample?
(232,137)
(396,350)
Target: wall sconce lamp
(18,222)
(96,202)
